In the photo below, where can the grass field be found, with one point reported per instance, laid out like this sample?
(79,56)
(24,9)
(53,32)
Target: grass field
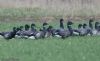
(19,12)
(49,49)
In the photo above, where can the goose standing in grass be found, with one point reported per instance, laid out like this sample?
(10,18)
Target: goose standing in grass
(56,32)
(61,24)
(91,27)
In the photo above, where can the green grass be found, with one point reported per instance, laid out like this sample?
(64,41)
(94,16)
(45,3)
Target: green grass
(71,49)
(49,49)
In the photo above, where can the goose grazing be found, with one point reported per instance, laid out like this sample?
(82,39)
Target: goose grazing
(9,35)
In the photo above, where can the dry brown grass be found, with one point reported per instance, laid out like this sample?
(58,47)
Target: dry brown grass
(60,8)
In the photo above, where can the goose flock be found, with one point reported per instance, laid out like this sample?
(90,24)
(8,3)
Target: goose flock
(31,32)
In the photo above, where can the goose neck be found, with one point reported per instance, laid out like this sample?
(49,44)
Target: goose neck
(61,25)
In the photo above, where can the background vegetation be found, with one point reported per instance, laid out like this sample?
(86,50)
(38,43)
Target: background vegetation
(48,9)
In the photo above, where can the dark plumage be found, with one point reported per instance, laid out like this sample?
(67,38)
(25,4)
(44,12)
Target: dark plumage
(24,33)
(42,32)
(61,23)
(66,33)
(33,27)
(27,27)
(97,25)
(85,30)
(50,31)
(96,31)
(90,23)
(9,35)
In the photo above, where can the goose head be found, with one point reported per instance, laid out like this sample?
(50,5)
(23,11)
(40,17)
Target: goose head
(27,27)
(45,25)
(80,26)
(84,25)
(14,29)
(50,29)
(33,27)
(69,26)
(18,29)
(69,23)
(21,27)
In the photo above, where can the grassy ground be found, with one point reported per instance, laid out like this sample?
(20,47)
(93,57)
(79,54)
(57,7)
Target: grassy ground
(71,49)
(49,49)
